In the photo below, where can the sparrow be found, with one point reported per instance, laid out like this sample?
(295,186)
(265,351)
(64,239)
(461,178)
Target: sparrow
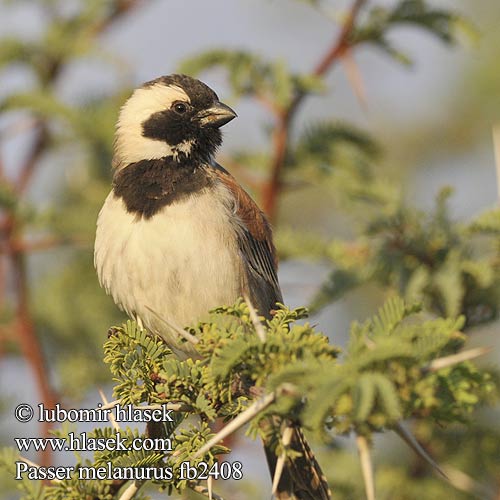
(178,236)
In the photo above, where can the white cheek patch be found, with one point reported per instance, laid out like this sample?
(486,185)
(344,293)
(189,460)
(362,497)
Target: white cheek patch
(130,145)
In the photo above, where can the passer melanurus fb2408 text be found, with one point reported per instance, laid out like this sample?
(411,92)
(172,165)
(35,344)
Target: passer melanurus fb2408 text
(179,236)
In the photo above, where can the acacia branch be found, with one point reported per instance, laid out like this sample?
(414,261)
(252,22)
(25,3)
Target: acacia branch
(11,226)
(30,344)
(366,466)
(39,147)
(43,244)
(340,46)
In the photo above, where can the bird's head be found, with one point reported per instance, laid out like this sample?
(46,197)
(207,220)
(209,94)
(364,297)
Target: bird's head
(173,116)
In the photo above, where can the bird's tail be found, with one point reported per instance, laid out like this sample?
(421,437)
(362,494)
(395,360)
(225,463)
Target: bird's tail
(301,477)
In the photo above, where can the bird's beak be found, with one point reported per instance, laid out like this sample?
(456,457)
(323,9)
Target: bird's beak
(216,116)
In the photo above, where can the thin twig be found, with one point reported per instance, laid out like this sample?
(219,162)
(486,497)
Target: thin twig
(30,344)
(169,406)
(411,441)
(121,7)
(253,410)
(446,361)
(203,490)
(259,329)
(109,405)
(341,44)
(463,482)
(111,417)
(33,464)
(366,466)
(40,144)
(185,335)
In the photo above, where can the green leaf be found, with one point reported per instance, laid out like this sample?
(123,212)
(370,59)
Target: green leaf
(364,396)
(442,23)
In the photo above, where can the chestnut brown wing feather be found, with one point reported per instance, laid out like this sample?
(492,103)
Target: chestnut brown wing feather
(256,246)
(302,478)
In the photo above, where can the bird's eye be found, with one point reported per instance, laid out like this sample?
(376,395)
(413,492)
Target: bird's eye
(180,107)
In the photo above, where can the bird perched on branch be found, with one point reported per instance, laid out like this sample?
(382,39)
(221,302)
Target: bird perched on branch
(178,235)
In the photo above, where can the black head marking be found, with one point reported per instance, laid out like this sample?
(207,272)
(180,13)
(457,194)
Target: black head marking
(201,95)
(177,125)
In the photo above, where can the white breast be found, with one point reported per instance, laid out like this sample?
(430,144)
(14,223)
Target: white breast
(181,262)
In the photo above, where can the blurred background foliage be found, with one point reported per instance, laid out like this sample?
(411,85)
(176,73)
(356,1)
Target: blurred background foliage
(364,132)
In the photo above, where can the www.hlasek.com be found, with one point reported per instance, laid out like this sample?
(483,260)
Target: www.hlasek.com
(83,442)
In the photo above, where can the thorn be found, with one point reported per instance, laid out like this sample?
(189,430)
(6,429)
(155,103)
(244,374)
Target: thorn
(259,329)
(411,441)
(131,491)
(444,362)
(111,416)
(280,463)
(33,464)
(366,466)
(463,482)
(354,77)
(110,405)
(253,410)
(210,483)
(176,329)
(138,320)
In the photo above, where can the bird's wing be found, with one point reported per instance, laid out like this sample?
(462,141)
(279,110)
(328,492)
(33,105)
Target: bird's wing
(302,477)
(256,246)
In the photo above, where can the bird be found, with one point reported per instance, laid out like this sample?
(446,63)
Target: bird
(178,235)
